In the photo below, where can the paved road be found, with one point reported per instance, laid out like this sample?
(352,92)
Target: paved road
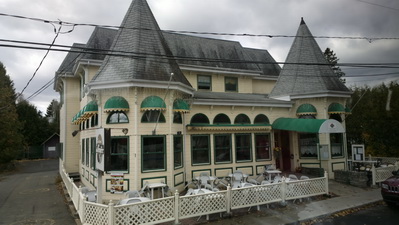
(30,195)
(379,214)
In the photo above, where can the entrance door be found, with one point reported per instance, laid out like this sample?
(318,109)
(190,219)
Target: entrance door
(285,151)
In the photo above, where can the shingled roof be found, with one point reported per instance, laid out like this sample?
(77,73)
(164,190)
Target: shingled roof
(306,71)
(142,52)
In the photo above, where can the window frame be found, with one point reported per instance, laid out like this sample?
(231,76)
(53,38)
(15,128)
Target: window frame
(146,119)
(201,149)
(143,170)
(204,83)
(267,146)
(337,144)
(237,148)
(178,151)
(314,143)
(119,113)
(117,154)
(93,152)
(215,148)
(225,84)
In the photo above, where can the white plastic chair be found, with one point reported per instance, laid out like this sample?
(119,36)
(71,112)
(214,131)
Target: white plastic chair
(304,178)
(132,194)
(292,177)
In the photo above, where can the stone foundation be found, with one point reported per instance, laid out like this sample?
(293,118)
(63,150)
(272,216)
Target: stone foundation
(354,178)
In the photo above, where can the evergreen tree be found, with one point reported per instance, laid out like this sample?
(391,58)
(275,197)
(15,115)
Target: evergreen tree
(333,60)
(10,137)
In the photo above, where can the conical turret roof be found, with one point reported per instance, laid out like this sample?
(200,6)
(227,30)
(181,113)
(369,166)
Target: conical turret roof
(139,51)
(306,71)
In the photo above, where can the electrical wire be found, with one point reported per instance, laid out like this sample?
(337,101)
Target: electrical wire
(65,23)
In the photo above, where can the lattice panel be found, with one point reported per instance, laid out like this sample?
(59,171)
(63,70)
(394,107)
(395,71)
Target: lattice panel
(306,188)
(257,195)
(382,173)
(150,212)
(197,205)
(95,214)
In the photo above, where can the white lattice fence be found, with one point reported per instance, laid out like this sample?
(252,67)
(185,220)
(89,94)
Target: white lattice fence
(305,188)
(202,204)
(95,214)
(151,212)
(256,195)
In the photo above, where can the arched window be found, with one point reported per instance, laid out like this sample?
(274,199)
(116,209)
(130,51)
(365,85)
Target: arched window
(261,119)
(336,117)
(242,119)
(199,118)
(152,116)
(117,117)
(221,119)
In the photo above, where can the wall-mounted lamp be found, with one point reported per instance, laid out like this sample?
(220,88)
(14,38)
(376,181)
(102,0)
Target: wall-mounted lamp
(125,130)
(75,132)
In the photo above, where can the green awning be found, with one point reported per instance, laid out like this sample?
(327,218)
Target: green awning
(116,103)
(179,105)
(336,108)
(308,125)
(152,103)
(348,111)
(306,109)
(90,109)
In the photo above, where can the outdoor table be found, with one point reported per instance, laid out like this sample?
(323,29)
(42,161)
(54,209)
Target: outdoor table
(152,186)
(270,172)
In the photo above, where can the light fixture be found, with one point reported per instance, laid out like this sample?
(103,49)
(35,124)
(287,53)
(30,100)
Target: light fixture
(125,130)
(75,132)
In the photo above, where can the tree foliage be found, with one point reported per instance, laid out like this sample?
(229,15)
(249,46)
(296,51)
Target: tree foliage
(10,137)
(333,60)
(375,119)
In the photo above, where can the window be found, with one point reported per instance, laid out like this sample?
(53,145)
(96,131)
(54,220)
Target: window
(242,119)
(336,145)
(262,147)
(177,118)
(87,151)
(261,119)
(153,153)
(243,147)
(222,148)
(94,120)
(119,154)
(204,82)
(221,119)
(200,149)
(83,151)
(152,116)
(308,145)
(199,118)
(93,152)
(231,84)
(117,117)
(178,151)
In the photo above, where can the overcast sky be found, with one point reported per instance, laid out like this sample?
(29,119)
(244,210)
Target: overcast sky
(338,18)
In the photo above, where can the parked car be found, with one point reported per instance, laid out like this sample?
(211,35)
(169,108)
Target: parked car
(390,189)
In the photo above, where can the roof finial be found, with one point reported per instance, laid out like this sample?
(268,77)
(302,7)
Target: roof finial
(302,21)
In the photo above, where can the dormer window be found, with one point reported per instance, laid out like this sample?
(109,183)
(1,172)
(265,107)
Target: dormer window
(204,82)
(231,84)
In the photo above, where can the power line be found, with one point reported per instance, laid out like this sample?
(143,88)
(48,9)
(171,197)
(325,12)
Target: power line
(73,25)
(147,56)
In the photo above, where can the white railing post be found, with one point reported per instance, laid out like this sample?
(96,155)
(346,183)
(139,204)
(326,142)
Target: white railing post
(111,213)
(177,209)
(373,174)
(228,199)
(326,182)
(283,187)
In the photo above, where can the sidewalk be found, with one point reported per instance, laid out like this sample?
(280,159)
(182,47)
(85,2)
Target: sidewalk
(343,197)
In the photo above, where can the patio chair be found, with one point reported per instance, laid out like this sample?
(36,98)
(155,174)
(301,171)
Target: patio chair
(237,179)
(277,179)
(293,177)
(204,182)
(189,192)
(304,178)
(133,193)
(265,182)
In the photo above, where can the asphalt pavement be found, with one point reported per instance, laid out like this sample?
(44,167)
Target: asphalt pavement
(30,195)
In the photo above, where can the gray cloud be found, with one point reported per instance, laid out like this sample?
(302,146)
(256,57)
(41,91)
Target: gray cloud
(323,17)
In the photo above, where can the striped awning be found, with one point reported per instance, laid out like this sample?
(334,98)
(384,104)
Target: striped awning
(116,103)
(336,108)
(179,105)
(306,109)
(153,103)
